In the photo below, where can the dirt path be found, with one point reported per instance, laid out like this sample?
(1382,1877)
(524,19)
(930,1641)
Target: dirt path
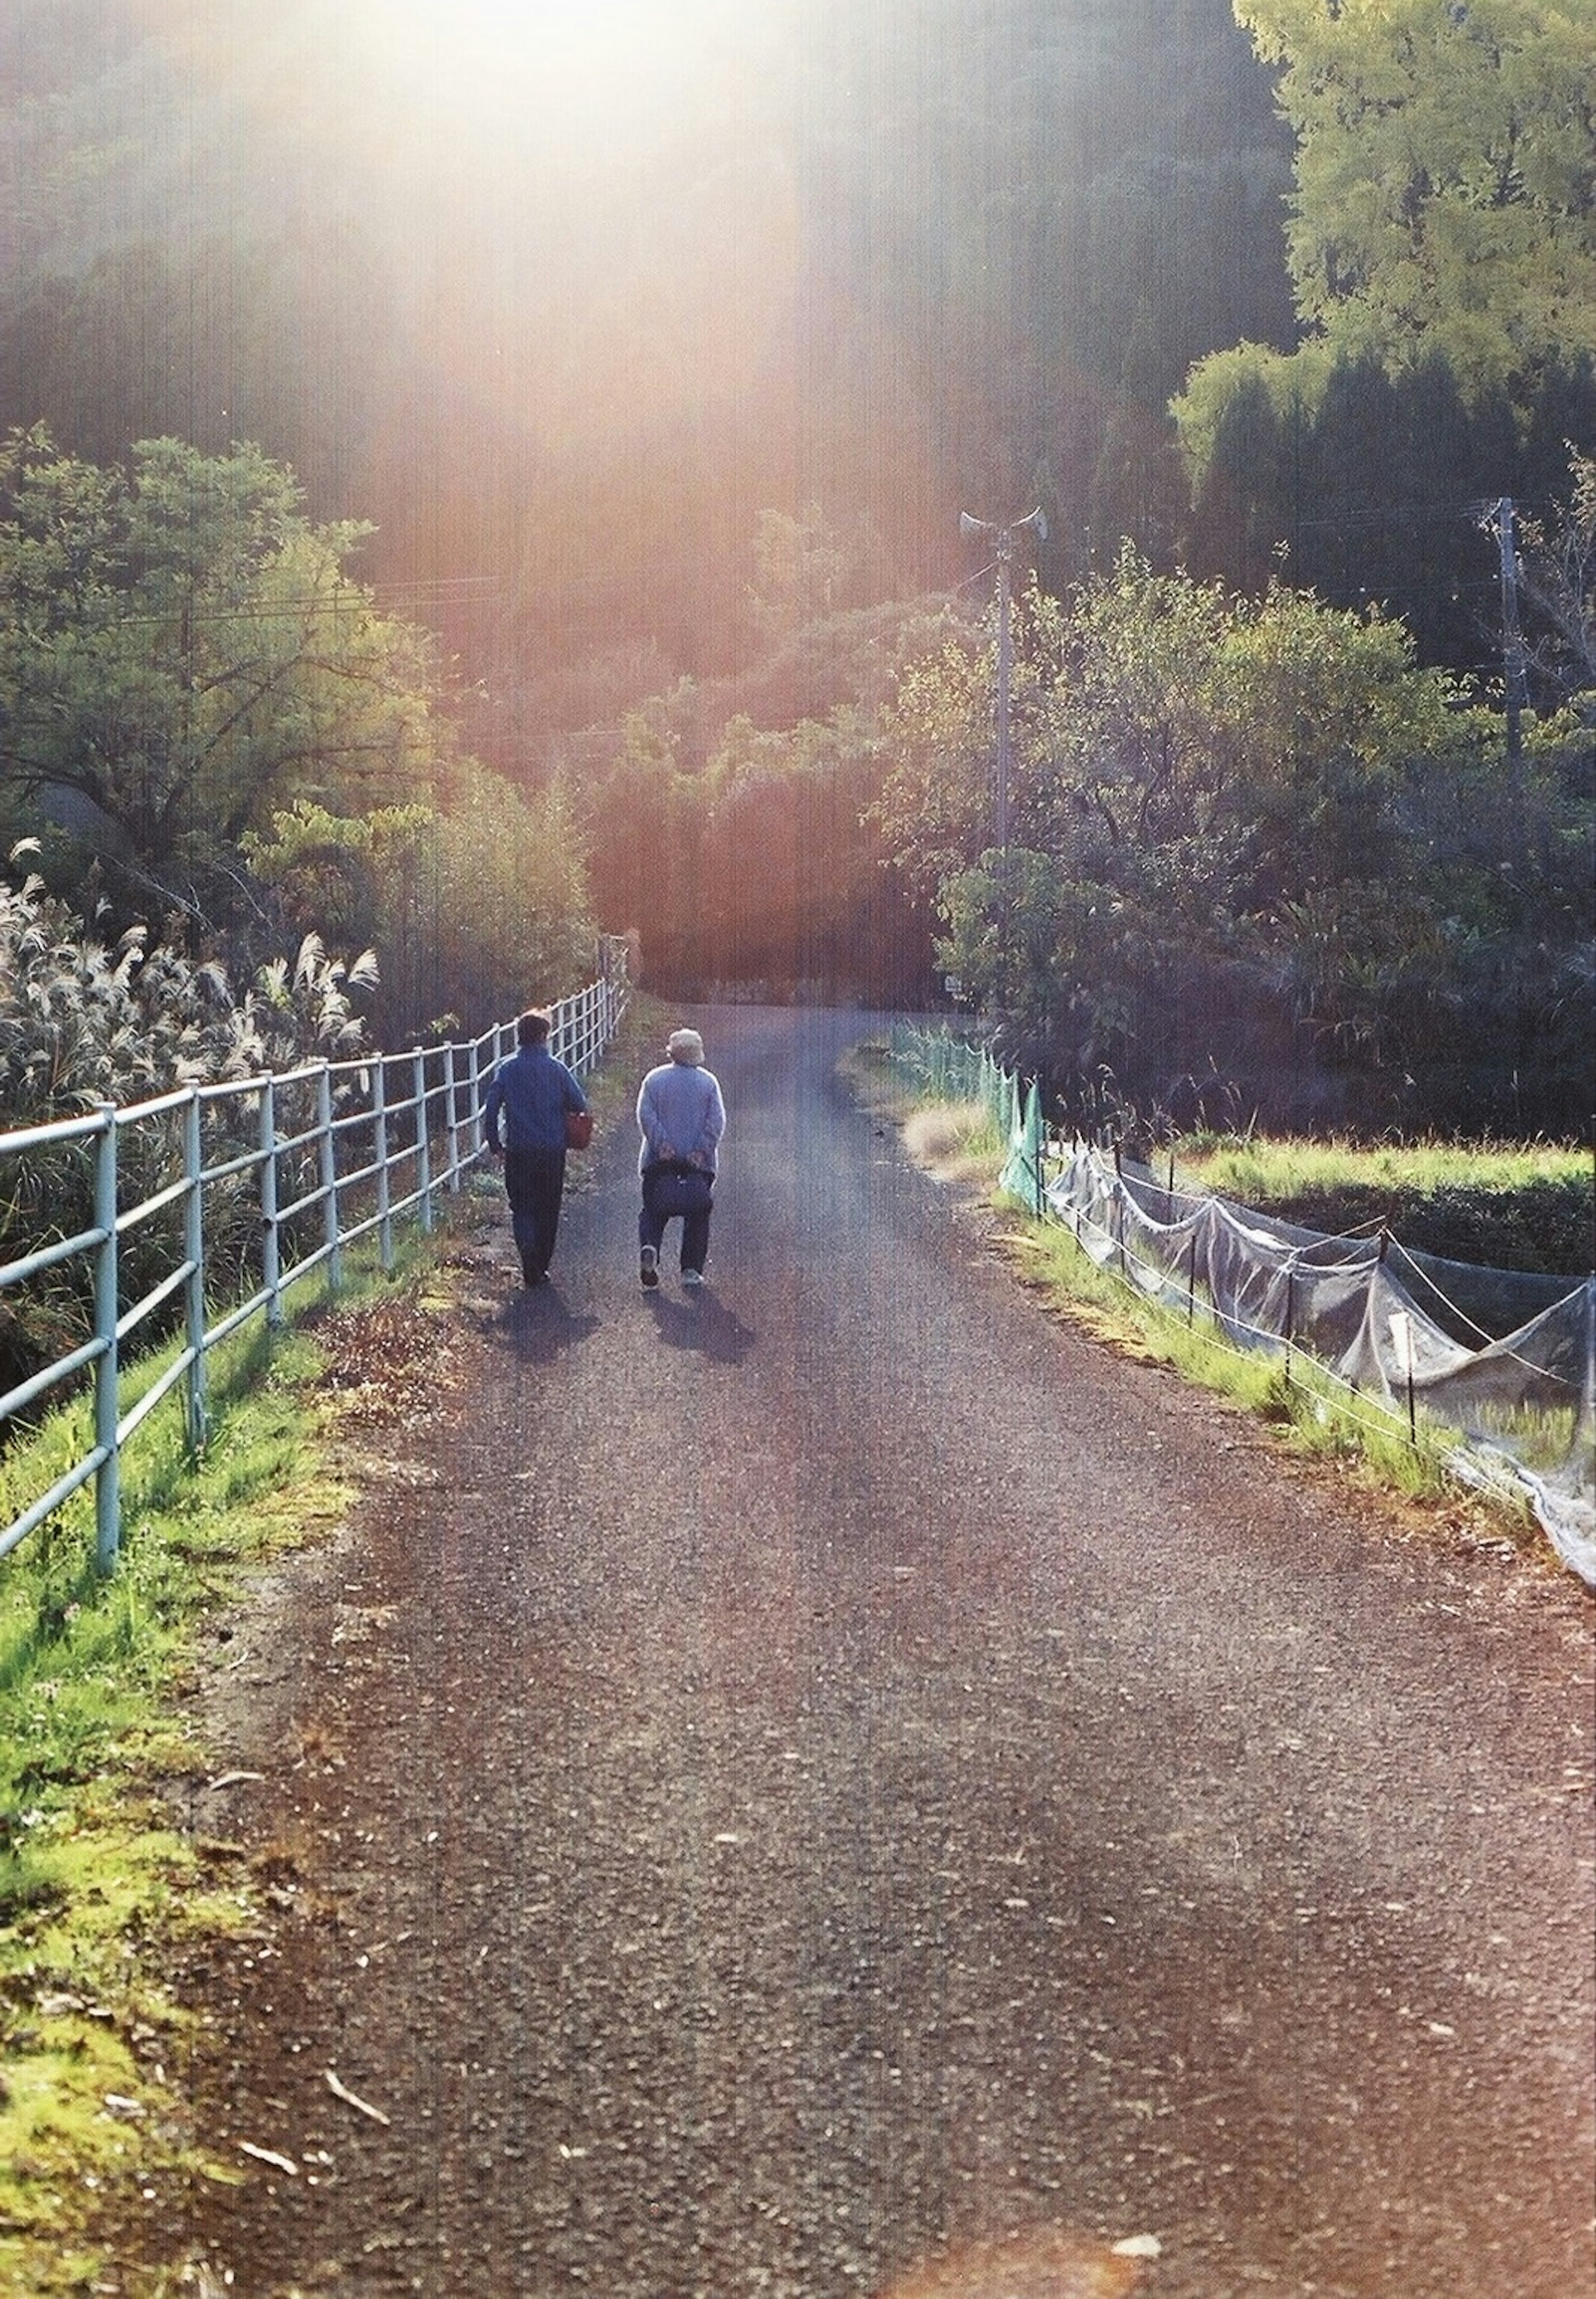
(778,1781)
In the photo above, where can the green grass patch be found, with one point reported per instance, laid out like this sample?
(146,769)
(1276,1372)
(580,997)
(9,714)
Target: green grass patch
(97,1887)
(1498,1205)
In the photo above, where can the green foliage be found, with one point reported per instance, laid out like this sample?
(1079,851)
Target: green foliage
(197,696)
(1443,249)
(1361,485)
(499,897)
(1255,838)
(806,570)
(181,650)
(1445,193)
(934,807)
(1557,567)
(734,823)
(479,909)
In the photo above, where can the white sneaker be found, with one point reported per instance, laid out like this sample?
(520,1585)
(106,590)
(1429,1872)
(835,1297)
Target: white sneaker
(692,1278)
(649,1270)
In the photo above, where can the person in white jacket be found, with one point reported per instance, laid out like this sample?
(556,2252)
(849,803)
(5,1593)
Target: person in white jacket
(681,1116)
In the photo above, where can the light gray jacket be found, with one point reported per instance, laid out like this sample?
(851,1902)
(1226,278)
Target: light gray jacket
(681,1116)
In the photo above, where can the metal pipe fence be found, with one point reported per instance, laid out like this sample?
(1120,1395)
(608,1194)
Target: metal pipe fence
(207,1205)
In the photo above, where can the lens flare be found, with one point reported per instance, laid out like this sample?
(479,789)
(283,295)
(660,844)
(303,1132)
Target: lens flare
(603,74)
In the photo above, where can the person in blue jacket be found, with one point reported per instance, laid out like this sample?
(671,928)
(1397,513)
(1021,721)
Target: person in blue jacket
(533,1094)
(681,1117)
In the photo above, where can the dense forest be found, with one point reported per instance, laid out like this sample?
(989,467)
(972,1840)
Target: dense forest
(621,383)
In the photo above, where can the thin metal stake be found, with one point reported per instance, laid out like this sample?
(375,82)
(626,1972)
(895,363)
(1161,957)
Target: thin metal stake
(332,1231)
(380,1129)
(452,1115)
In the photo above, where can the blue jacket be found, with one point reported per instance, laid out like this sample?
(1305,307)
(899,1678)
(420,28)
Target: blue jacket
(533,1092)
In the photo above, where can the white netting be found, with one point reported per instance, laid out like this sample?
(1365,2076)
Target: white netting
(1404,1329)
(1504,1358)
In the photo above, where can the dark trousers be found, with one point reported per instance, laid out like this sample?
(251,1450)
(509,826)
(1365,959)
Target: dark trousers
(535,1183)
(652,1221)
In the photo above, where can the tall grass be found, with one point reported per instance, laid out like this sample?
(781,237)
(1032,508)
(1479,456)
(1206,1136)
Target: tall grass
(1498,1205)
(1261,1170)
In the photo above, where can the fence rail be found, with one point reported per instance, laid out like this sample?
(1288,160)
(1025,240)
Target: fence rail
(208,1203)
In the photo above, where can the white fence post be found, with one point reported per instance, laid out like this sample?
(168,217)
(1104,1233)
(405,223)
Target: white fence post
(423,1146)
(108,1477)
(270,1252)
(452,1115)
(328,1153)
(379,1135)
(194,1253)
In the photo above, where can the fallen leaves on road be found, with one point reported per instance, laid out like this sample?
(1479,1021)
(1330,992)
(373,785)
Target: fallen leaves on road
(389,1361)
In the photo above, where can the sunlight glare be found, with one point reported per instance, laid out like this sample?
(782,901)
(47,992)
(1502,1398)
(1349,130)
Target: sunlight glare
(605,71)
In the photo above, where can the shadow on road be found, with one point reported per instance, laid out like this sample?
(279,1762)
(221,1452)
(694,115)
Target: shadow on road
(701,1322)
(539,1327)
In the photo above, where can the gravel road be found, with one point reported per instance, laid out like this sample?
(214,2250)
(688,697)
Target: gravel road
(777,1782)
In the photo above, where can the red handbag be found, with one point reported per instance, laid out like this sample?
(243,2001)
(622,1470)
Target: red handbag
(578,1128)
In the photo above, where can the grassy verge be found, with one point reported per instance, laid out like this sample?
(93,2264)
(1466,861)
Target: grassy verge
(1499,1205)
(1307,1414)
(97,1888)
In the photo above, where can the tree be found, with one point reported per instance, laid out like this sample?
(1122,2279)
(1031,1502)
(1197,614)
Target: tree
(475,910)
(1202,778)
(805,570)
(181,650)
(936,806)
(1240,520)
(1445,193)
(1442,247)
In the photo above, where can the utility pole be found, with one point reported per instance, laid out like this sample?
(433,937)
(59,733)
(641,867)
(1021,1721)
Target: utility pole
(1512,639)
(1003,543)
